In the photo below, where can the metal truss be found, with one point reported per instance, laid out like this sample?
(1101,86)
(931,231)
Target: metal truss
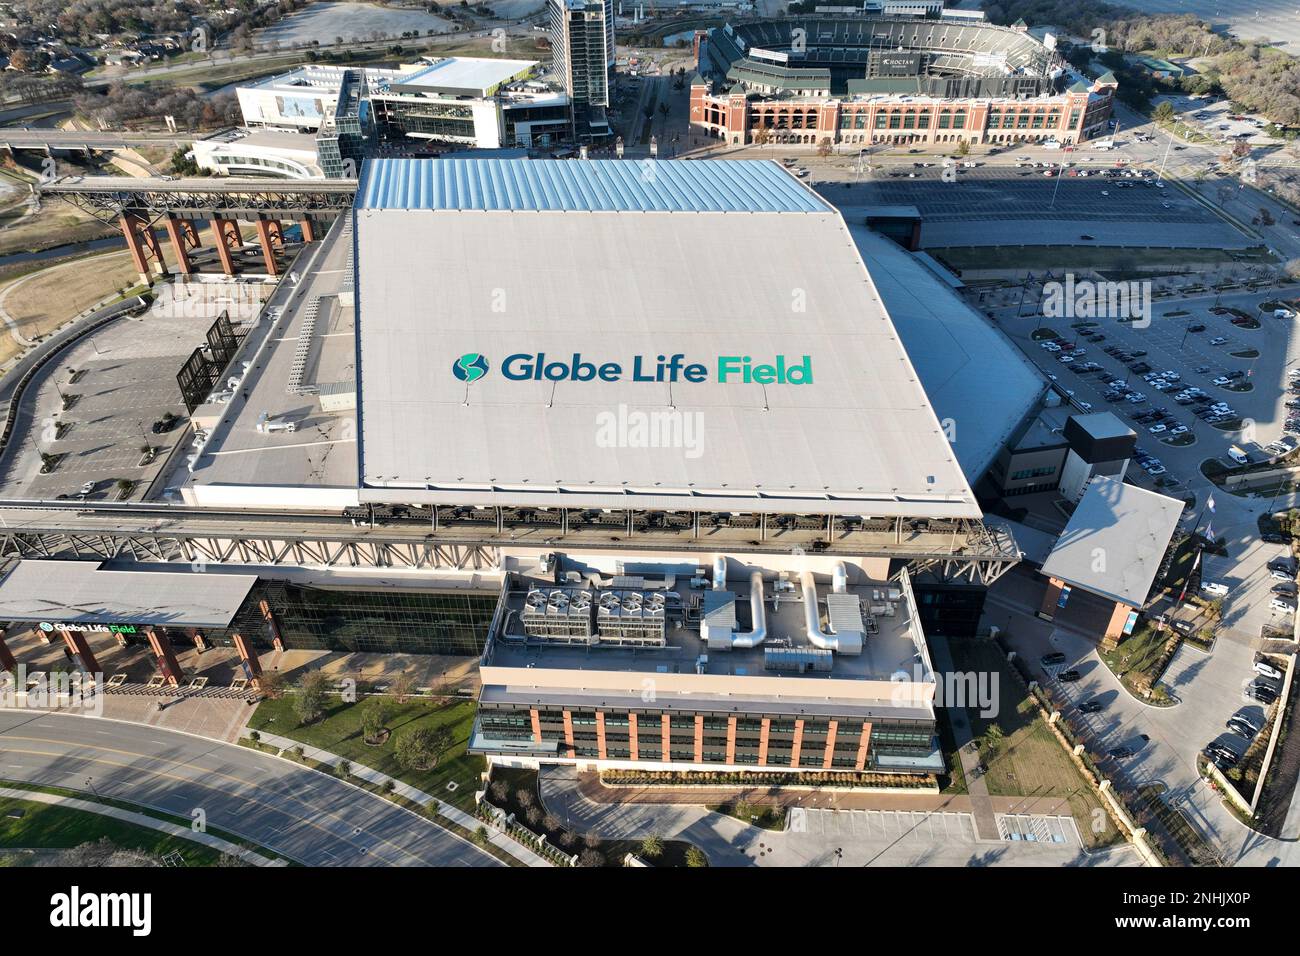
(200,549)
(107,198)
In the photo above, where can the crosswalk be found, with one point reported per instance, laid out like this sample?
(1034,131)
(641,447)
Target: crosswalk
(1033,828)
(885,825)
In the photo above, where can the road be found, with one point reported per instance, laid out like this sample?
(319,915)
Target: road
(301,814)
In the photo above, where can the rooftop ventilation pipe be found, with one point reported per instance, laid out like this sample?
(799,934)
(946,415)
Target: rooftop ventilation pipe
(758,614)
(719,573)
(849,642)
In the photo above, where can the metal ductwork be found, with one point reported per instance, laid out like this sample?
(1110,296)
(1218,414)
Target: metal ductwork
(849,642)
(729,640)
(841,578)
(719,573)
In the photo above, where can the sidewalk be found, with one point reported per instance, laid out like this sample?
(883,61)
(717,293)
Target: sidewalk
(141,820)
(459,817)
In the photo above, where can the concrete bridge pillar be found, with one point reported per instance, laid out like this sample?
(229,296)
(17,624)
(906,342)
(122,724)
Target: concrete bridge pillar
(271,238)
(163,655)
(143,245)
(228,240)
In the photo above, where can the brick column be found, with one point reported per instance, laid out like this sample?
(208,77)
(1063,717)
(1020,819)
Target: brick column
(797,745)
(600,735)
(180,244)
(272,628)
(1047,610)
(200,642)
(1114,632)
(666,728)
(269,238)
(7,660)
(731,740)
(76,642)
(631,737)
(163,655)
(762,741)
(228,239)
(828,758)
(143,245)
(864,744)
(699,739)
(537,725)
(252,666)
(308,231)
(568,733)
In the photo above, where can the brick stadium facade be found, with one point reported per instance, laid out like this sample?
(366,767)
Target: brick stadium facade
(739,108)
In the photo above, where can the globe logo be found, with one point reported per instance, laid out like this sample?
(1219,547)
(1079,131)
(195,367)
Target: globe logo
(470,367)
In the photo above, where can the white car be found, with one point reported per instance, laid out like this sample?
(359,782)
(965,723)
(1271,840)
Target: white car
(1085,406)
(1137,398)
(1180,430)
(1051,346)
(1268,670)
(1221,380)
(1157,429)
(1214,587)
(1218,340)
(1155,471)
(1282,606)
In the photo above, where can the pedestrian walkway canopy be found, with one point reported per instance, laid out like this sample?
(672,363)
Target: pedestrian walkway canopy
(84,592)
(1115,541)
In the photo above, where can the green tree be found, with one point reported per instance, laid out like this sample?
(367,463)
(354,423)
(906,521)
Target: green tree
(374,715)
(423,747)
(1164,112)
(309,703)
(695,858)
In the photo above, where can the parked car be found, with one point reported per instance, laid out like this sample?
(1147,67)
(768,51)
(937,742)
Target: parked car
(1242,727)
(1069,677)
(1093,706)
(1265,669)
(1048,660)
(1120,753)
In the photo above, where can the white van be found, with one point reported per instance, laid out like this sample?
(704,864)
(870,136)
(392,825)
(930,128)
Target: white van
(1215,588)
(1282,606)
(1237,455)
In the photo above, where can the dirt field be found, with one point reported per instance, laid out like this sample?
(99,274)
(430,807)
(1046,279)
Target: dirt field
(40,302)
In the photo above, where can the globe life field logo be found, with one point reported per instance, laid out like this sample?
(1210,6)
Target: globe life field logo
(470,367)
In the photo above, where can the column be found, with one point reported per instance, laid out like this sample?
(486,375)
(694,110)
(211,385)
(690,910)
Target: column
(864,744)
(828,757)
(269,237)
(1047,610)
(146,253)
(537,725)
(7,660)
(762,741)
(200,642)
(247,657)
(631,736)
(180,244)
(272,628)
(731,740)
(666,729)
(568,733)
(600,735)
(699,739)
(227,236)
(164,656)
(1115,627)
(797,745)
(308,230)
(76,642)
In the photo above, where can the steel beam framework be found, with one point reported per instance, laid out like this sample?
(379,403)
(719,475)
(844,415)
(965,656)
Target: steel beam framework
(108,197)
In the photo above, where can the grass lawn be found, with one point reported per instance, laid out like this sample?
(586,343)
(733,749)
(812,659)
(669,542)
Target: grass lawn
(1029,760)
(339,732)
(763,817)
(1137,655)
(60,828)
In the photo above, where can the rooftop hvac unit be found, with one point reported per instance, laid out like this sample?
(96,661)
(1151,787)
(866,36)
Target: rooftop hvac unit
(798,660)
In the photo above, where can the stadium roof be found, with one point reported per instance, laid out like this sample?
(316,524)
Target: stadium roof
(478,75)
(1115,541)
(975,377)
(499,259)
(86,593)
(604,185)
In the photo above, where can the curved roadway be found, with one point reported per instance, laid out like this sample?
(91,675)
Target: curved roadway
(301,814)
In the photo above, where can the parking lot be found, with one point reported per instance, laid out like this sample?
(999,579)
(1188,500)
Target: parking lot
(119,382)
(1258,359)
(996,202)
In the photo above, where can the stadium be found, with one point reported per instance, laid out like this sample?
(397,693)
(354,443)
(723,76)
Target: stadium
(866,80)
